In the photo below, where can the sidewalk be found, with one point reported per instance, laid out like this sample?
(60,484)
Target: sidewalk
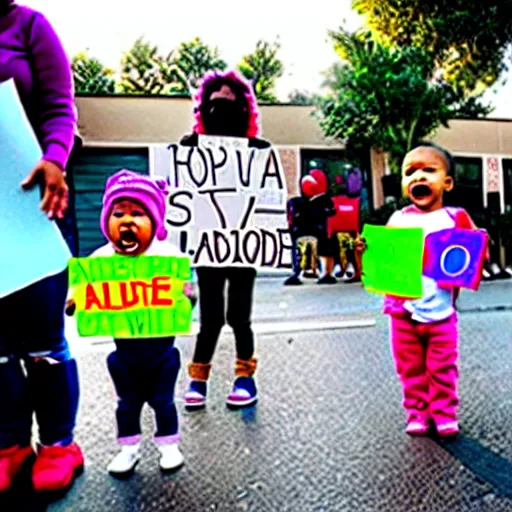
(273,300)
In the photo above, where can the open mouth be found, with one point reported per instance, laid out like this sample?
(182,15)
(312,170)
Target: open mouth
(128,241)
(420,191)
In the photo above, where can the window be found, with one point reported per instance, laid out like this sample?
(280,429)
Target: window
(468,191)
(338,167)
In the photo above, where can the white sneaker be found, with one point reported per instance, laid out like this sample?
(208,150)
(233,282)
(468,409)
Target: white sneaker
(125,461)
(495,269)
(350,272)
(171,458)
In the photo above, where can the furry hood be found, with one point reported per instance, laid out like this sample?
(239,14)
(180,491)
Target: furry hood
(212,82)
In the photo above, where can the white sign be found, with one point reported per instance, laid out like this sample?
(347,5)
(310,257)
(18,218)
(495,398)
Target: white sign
(227,205)
(32,247)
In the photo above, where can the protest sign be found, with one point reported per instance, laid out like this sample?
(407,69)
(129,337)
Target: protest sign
(227,205)
(455,257)
(393,260)
(32,246)
(131,297)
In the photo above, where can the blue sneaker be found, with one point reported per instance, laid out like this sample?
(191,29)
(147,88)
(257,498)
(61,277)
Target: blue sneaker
(195,397)
(244,392)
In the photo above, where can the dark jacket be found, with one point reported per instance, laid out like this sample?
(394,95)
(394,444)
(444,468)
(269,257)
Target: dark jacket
(320,209)
(299,217)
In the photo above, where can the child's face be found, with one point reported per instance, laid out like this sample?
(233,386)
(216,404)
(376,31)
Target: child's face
(130,228)
(425,178)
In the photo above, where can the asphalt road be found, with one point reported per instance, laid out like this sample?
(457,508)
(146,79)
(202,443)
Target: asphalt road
(327,434)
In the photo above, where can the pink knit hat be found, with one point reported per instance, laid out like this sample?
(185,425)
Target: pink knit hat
(150,193)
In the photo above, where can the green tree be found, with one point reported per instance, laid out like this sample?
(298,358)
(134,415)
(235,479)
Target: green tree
(302,97)
(176,82)
(194,59)
(141,70)
(467,40)
(386,97)
(90,76)
(262,67)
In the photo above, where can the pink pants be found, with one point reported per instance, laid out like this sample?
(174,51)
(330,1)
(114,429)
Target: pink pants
(426,361)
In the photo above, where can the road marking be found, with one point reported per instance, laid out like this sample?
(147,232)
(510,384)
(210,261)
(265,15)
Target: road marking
(278,327)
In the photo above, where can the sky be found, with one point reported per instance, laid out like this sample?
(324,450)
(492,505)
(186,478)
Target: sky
(108,27)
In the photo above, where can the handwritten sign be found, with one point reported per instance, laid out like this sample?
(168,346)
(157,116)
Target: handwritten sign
(455,257)
(32,247)
(228,205)
(393,261)
(126,297)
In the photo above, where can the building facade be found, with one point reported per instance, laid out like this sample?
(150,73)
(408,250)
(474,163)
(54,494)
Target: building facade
(118,132)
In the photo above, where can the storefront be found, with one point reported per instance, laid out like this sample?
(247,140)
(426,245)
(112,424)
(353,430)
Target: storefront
(119,130)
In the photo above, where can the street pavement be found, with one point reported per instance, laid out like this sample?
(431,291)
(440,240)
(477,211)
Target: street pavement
(327,434)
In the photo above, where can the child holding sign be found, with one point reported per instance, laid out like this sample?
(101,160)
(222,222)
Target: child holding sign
(424,331)
(226,106)
(143,370)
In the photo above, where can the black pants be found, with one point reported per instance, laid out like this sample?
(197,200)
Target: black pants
(295,255)
(212,284)
(145,371)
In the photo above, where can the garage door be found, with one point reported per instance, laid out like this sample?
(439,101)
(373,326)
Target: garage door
(91,171)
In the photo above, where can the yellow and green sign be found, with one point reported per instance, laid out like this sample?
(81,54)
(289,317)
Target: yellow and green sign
(131,297)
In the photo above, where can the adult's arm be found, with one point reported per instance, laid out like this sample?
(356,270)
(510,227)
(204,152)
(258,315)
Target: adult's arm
(53,83)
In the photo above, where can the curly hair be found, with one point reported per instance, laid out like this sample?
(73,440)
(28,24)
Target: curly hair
(450,161)
(213,82)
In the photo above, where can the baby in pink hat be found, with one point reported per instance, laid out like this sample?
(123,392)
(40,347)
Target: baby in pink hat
(142,370)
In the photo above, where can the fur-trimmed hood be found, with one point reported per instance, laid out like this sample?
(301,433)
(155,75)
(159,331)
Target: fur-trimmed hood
(212,82)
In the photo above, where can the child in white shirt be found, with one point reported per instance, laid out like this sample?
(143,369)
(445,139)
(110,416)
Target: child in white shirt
(142,369)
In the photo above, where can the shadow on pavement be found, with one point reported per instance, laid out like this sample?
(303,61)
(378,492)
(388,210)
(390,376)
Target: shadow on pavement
(482,462)
(22,497)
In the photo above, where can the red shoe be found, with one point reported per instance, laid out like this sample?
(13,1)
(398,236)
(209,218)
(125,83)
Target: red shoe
(11,460)
(56,467)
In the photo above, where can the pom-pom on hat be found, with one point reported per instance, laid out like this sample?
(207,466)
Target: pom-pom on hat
(150,193)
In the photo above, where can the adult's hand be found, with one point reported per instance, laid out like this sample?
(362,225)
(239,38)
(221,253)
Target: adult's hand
(55,198)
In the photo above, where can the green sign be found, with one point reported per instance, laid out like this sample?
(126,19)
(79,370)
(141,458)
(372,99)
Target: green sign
(393,260)
(131,297)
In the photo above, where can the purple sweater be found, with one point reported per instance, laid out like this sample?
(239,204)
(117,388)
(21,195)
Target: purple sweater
(31,53)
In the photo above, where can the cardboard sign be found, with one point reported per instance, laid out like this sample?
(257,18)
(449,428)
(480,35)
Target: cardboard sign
(131,297)
(393,261)
(455,257)
(347,215)
(227,205)
(32,246)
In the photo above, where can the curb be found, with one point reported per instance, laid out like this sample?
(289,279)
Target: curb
(486,309)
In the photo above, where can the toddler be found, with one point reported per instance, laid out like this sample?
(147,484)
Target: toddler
(142,370)
(424,331)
